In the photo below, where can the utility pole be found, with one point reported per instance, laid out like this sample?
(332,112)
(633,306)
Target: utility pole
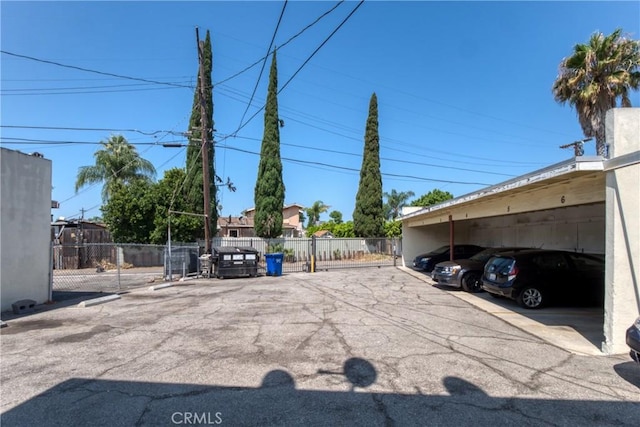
(205,147)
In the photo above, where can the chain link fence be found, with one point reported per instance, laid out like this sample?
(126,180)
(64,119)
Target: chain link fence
(111,267)
(108,266)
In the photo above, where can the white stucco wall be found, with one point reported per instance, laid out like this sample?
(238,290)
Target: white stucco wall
(574,228)
(25,227)
(622,276)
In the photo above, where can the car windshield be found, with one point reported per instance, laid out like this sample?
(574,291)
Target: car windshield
(483,256)
(439,251)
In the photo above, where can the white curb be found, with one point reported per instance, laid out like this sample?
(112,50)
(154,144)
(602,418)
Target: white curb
(97,301)
(162,286)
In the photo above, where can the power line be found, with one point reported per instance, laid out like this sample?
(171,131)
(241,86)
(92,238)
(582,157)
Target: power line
(307,162)
(89,129)
(255,88)
(303,64)
(281,46)
(93,71)
(81,92)
(404,161)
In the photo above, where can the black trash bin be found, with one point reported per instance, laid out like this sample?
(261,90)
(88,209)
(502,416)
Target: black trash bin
(233,261)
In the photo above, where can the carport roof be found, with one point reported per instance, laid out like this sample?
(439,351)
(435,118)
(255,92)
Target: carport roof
(559,172)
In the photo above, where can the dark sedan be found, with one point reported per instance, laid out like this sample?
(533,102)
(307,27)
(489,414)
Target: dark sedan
(466,273)
(633,340)
(538,277)
(426,261)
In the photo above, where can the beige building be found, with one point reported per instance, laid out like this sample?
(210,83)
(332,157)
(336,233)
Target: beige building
(584,204)
(242,226)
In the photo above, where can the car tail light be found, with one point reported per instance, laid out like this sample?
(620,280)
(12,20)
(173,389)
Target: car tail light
(513,272)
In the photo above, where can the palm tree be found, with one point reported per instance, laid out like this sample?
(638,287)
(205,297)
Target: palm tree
(395,202)
(314,212)
(595,76)
(117,162)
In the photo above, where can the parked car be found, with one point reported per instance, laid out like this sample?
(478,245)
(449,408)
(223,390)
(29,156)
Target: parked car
(633,340)
(538,277)
(466,273)
(426,261)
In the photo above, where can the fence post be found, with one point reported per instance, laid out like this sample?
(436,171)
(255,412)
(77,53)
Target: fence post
(313,254)
(118,264)
(393,245)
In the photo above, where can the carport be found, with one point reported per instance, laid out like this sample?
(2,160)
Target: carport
(584,204)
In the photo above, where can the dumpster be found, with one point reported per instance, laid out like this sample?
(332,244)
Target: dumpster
(274,264)
(233,261)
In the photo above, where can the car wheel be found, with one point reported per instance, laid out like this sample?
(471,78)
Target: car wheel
(530,297)
(471,282)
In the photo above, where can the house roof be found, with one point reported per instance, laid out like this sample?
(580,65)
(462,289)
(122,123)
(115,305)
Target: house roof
(284,207)
(321,233)
(242,222)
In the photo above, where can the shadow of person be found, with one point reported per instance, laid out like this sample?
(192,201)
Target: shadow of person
(278,378)
(459,387)
(359,372)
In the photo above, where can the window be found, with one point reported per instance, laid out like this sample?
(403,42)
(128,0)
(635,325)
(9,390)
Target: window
(551,261)
(233,233)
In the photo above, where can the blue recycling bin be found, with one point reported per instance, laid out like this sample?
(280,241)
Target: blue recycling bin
(274,264)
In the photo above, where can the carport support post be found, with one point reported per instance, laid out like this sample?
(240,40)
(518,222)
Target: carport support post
(622,266)
(451,243)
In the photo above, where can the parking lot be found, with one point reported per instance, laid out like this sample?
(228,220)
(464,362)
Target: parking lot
(369,346)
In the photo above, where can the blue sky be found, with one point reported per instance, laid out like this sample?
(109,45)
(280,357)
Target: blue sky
(464,89)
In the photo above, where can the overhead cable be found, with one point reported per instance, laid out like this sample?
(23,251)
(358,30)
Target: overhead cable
(93,71)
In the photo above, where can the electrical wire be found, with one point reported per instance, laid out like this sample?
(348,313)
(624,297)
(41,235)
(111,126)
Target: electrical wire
(93,71)
(81,92)
(273,37)
(307,162)
(281,46)
(90,129)
(242,125)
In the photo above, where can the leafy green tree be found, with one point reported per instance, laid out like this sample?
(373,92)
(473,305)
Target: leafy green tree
(336,216)
(168,196)
(116,162)
(433,197)
(193,184)
(395,202)
(345,229)
(129,213)
(269,189)
(595,76)
(393,228)
(368,215)
(314,212)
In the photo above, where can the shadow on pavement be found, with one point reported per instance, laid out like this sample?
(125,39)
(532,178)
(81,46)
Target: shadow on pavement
(629,371)
(276,401)
(60,299)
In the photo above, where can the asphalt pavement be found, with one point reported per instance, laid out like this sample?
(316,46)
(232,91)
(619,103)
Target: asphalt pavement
(367,346)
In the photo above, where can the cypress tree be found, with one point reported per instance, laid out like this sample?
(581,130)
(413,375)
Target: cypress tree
(269,190)
(193,187)
(368,215)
